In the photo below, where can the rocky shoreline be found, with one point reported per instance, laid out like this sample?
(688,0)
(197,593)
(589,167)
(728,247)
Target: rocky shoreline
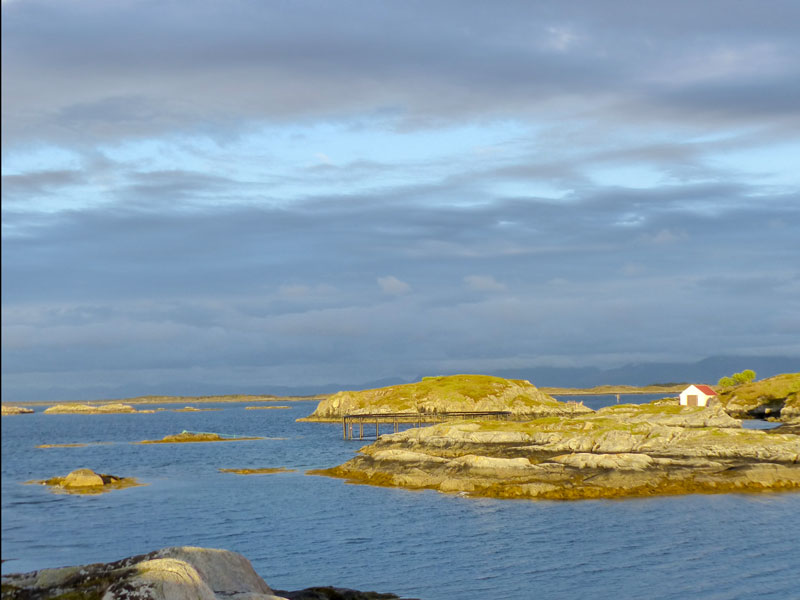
(177,573)
(620,451)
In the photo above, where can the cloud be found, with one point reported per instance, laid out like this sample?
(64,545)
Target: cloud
(223,68)
(225,198)
(392,285)
(666,236)
(483,283)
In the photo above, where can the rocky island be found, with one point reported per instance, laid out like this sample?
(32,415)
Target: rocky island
(89,409)
(86,481)
(621,451)
(15,410)
(191,436)
(454,393)
(178,573)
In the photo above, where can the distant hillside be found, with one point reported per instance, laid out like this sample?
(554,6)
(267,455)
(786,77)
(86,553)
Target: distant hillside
(708,370)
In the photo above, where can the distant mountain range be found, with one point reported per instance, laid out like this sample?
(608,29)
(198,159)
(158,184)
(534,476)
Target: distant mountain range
(708,370)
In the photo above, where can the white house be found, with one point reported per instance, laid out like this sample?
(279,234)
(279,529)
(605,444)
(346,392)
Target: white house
(697,395)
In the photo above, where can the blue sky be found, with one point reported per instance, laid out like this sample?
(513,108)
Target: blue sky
(261,194)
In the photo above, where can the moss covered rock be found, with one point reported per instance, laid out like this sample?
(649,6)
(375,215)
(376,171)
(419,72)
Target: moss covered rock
(455,393)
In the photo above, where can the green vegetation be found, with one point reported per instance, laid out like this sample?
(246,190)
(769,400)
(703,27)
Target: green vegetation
(740,378)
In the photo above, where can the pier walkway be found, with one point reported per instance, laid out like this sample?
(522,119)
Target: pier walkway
(349,422)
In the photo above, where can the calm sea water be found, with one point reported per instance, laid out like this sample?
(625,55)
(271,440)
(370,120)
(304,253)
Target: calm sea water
(300,530)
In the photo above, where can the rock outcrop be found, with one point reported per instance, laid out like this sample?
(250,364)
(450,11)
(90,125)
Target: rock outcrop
(89,409)
(626,450)
(179,573)
(777,396)
(15,410)
(86,481)
(455,393)
(190,436)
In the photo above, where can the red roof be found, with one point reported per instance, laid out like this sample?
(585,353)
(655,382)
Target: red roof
(706,389)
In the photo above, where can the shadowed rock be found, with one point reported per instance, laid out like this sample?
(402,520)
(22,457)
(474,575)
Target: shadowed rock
(263,471)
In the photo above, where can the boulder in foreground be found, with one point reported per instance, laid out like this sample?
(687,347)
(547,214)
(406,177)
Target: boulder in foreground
(178,573)
(454,393)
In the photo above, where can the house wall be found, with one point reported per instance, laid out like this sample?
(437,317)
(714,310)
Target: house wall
(702,399)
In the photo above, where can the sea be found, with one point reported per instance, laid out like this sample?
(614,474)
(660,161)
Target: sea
(301,530)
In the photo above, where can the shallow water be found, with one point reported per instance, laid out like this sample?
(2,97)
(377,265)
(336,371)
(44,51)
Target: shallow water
(301,530)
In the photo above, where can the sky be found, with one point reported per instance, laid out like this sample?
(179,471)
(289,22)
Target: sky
(255,194)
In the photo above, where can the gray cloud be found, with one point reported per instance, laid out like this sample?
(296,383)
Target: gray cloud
(372,266)
(95,70)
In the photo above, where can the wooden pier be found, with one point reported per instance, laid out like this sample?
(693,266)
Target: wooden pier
(349,422)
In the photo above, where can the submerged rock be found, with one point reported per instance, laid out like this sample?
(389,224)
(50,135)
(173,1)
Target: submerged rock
(333,593)
(178,573)
(651,449)
(455,393)
(260,471)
